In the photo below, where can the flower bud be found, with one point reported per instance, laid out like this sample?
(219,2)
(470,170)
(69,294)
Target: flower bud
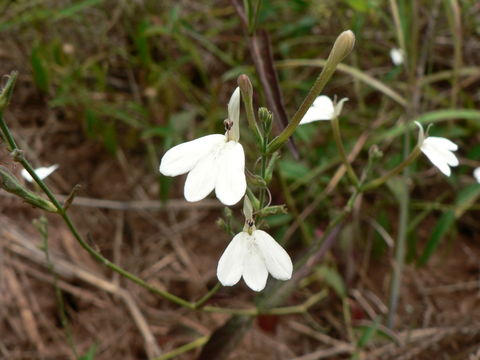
(266,119)
(245,85)
(342,47)
(6,92)
(9,183)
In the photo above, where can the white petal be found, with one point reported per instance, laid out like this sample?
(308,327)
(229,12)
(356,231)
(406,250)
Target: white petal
(442,143)
(183,157)
(321,109)
(255,271)
(442,147)
(277,260)
(201,180)
(397,56)
(476,174)
(231,184)
(42,172)
(436,158)
(230,265)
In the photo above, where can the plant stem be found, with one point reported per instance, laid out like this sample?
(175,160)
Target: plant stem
(381,180)
(338,141)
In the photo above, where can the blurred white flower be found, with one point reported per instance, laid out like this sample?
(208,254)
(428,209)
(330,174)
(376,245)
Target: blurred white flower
(321,109)
(476,174)
(212,162)
(397,56)
(253,257)
(439,151)
(42,172)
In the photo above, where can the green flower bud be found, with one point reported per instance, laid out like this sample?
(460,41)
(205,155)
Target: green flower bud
(10,183)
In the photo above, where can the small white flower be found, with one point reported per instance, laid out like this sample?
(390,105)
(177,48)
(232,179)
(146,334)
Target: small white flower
(253,257)
(397,56)
(476,174)
(42,172)
(212,162)
(321,109)
(439,151)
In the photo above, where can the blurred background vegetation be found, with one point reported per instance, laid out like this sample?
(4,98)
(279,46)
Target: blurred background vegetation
(106,86)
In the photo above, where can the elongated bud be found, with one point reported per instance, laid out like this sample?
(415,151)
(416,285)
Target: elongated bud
(245,86)
(266,119)
(234,115)
(7,91)
(342,47)
(9,182)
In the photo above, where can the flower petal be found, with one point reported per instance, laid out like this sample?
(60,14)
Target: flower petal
(442,143)
(234,114)
(476,174)
(42,172)
(201,179)
(230,265)
(255,271)
(321,109)
(231,184)
(277,260)
(436,158)
(183,157)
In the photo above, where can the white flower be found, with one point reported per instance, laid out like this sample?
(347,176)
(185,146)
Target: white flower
(42,172)
(321,109)
(212,162)
(439,151)
(476,174)
(253,257)
(397,56)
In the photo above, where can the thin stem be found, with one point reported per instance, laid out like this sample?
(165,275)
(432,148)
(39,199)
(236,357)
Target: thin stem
(184,348)
(18,155)
(381,180)
(341,149)
(199,303)
(316,89)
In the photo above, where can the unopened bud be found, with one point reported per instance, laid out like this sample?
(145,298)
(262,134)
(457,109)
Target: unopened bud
(9,182)
(6,92)
(266,119)
(342,47)
(245,85)
(374,152)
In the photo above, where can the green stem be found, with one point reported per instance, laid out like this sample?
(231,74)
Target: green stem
(341,149)
(316,89)
(184,348)
(381,180)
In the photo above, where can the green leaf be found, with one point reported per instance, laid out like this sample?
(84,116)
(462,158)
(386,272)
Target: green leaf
(368,332)
(40,75)
(333,279)
(293,169)
(466,198)
(440,230)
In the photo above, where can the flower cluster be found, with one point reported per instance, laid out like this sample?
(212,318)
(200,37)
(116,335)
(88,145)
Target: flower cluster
(217,162)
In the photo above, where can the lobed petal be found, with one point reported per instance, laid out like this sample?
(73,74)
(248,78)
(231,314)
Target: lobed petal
(321,109)
(255,272)
(277,260)
(436,158)
(442,143)
(201,180)
(182,158)
(230,183)
(230,265)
